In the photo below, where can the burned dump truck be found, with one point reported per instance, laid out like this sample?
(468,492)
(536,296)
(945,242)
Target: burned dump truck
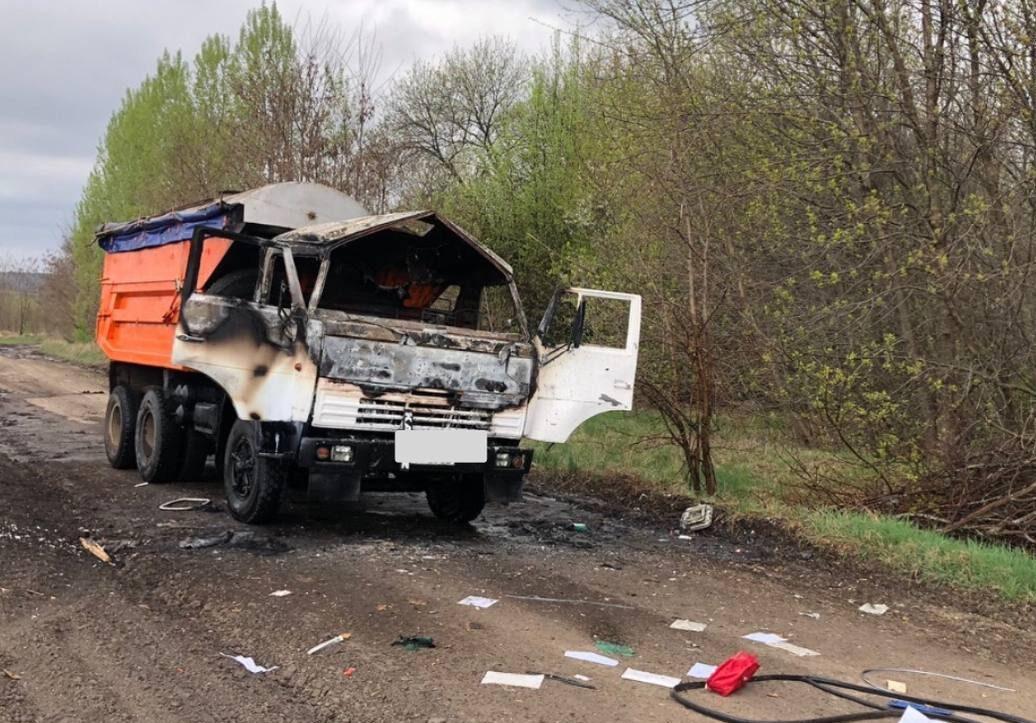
(303,343)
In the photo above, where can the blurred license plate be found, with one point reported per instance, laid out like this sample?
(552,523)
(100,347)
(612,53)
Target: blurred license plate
(441,446)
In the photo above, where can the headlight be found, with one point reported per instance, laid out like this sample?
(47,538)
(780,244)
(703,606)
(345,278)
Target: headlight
(341,453)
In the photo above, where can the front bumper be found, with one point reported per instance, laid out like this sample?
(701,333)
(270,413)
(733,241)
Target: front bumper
(376,456)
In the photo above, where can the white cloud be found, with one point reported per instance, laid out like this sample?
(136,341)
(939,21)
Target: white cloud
(67,65)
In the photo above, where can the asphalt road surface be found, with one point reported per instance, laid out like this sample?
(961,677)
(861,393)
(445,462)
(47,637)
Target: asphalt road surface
(141,639)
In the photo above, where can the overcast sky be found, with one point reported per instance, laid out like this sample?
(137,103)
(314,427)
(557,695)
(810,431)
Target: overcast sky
(64,67)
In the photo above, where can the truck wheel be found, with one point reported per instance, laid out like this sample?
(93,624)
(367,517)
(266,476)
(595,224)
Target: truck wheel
(120,419)
(253,485)
(457,499)
(158,439)
(195,453)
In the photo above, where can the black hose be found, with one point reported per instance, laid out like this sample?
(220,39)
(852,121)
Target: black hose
(835,687)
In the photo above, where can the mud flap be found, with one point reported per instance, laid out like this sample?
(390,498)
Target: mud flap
(504,488)
(332,487)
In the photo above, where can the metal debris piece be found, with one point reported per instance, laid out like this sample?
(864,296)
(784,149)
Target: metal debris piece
(94,549)
(696,517)
(185,504)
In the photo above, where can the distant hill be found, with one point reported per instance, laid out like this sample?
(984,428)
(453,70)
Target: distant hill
(24,281)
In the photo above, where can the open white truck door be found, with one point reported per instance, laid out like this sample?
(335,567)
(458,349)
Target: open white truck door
(587,344)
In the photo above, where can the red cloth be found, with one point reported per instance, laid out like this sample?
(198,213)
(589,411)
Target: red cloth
(733,673)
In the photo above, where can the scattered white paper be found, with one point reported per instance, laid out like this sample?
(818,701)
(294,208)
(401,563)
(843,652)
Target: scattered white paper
(793,649)
(895,686)
(776,641)
(584,678)
(250,665)
(512,679)
(688,625)
(764,638)
(280,593)
(872,609)
(666,681)
(913,715)
(478,602)
(591,657)
(703,671)
(814,616)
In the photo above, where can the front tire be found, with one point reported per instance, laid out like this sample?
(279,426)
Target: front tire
(158,439)
(457,500)
(120,421)
(253,485)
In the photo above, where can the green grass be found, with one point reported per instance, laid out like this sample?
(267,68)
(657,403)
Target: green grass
(19,339)
(925,554)
(85,352)
(756,478)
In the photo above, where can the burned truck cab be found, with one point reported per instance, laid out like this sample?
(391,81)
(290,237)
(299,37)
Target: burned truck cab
(385,352)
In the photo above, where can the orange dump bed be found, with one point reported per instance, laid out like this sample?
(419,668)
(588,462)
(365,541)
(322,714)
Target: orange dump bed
(140,299)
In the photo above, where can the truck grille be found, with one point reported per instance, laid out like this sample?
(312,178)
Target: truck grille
(335,410)
(385,414)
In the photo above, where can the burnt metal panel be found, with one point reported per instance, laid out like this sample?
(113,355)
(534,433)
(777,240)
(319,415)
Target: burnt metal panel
(486,381)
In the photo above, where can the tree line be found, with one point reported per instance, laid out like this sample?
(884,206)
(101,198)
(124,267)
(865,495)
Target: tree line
(828,206)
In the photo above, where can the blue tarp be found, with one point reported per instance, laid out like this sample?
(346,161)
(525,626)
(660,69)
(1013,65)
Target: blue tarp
(160,230)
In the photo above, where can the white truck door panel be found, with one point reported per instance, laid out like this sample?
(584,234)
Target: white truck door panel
(579,379)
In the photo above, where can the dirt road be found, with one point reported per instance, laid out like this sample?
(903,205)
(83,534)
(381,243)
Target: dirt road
(140,640)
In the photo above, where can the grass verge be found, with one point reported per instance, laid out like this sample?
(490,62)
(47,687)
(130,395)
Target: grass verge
(19,339)
(756,478)
(924,554)
(85,352)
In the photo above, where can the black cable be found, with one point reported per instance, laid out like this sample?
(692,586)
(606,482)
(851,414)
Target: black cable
(831,686)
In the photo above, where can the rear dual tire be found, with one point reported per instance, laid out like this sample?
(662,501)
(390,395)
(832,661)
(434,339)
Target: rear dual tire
(159,439)
(120,422)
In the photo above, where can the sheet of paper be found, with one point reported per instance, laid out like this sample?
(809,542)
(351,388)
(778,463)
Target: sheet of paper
(913,715)
(666,681)
(250,665)
(764,638)
(478,602)
(583,678)
(702,671)
(512,679)
(688,625)
(280,593)
(793,649)
(591,657)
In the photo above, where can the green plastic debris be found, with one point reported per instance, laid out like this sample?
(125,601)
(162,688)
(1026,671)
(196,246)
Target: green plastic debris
(415,642)
(614,648)
(580,527)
